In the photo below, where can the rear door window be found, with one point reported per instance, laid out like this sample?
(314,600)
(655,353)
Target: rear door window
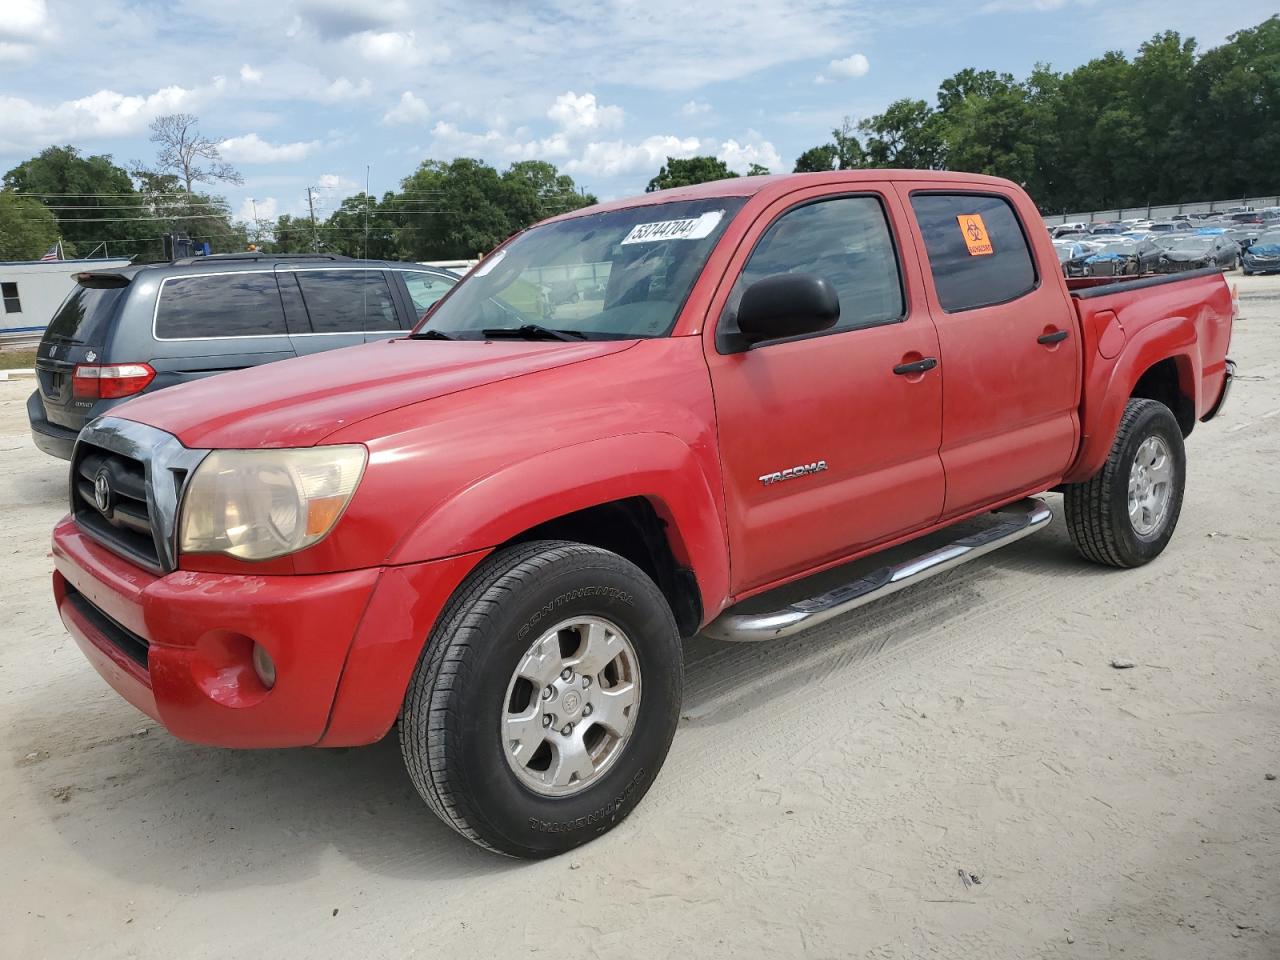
(348,301)
(220,305)
(977,249)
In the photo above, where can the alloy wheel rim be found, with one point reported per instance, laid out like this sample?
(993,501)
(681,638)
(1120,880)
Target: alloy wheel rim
(571,706)
(1150,486)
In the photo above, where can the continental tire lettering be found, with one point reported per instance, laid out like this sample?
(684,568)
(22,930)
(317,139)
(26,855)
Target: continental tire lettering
(609,593)
(607,812)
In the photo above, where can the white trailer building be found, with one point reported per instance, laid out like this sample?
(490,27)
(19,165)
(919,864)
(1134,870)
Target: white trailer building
(34,289)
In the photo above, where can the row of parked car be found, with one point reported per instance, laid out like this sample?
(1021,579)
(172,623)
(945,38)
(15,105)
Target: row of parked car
(1249,239)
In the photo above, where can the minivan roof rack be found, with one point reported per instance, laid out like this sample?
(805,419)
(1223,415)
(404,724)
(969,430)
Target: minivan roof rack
(252,257)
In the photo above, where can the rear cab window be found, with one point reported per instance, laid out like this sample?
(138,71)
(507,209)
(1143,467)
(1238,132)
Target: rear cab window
(219,305)
(978,251)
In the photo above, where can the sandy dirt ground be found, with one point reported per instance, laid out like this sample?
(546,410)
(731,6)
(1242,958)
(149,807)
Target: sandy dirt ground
(824,797)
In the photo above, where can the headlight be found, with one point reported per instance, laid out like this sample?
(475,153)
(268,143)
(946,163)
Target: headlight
(259,504)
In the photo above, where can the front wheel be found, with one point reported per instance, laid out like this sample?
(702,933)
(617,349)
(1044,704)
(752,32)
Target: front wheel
(1125,514)
(545,700)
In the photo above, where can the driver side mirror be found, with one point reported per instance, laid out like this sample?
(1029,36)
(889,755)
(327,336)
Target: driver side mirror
(786,305)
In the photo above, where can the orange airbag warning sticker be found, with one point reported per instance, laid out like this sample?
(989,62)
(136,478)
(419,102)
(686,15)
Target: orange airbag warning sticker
(975,235)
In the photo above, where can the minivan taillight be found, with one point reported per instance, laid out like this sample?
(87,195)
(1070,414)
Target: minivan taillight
(109,380)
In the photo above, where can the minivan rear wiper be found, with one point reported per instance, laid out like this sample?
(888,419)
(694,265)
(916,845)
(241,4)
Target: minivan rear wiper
(429,334)
(534,331)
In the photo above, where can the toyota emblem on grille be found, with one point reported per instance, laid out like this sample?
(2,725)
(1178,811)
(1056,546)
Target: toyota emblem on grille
(102,492)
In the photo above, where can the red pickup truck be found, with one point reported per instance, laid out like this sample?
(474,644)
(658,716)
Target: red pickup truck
(497,531)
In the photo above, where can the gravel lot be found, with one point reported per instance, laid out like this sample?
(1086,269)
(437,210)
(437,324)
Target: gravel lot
(823,797)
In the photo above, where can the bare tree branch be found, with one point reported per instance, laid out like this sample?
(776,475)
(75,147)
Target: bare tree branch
(186,154)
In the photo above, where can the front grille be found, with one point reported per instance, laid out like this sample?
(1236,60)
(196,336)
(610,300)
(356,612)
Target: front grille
(129,643)
(125,525)
(144,470)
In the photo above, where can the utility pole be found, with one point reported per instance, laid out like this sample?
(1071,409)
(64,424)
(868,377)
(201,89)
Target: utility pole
(315,235)
(366,211)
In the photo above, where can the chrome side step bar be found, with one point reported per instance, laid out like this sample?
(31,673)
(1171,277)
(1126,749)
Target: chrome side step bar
(1015,521)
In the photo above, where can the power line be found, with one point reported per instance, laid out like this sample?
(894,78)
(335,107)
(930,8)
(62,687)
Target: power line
(115,196)
(134,206)
(193,216)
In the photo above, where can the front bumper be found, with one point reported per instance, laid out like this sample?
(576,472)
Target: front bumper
(1261,265)
(179,647)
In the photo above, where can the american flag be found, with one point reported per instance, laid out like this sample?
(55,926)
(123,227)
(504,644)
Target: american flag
(54,253)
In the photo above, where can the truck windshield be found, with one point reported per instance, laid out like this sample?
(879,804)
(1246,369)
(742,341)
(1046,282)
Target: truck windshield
(620,274)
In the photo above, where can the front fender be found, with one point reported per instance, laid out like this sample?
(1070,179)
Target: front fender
(659,467)
(1109,384)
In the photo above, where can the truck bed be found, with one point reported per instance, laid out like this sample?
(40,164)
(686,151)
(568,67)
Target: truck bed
(1127,326)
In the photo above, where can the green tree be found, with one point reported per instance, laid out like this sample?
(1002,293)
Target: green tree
(539,190)
(757,170)
(817,159)
(291,235)
(27,228)
(93,198)
(679,172)
(986,130)
(1235,113)
(909,134)
(843,153)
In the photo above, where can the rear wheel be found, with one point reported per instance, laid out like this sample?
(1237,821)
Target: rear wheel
(545,700)
(1125,515)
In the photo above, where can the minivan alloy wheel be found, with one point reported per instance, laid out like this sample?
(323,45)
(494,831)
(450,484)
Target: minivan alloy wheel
(571,706)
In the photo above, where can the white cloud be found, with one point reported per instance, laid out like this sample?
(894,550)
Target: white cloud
(335,182)
(740,156)
(451,141)
(24,18)
(250,75)
(266,208)
(578,115)
(251,148)
(1022,6)
(695,108)
(854,65)
(344,89)
(410,108)
(102,114)
(613,158)
(393,49)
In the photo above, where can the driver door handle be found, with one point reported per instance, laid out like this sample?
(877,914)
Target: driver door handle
(1056,337)
(919,366)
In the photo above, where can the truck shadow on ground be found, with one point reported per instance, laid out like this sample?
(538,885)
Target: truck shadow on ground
(190,818)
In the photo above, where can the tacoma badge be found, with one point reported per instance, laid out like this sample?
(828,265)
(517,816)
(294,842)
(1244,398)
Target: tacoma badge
(816,467)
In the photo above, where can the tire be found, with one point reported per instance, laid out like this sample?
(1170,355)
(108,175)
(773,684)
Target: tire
(453,731)
(1098,510)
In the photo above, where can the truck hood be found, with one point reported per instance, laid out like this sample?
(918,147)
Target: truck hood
(297,403)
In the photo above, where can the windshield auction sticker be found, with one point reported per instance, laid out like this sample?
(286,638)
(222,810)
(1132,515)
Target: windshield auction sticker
(693,228)
(975,234)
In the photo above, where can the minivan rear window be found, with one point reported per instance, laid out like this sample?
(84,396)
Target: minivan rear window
(84,315)
(220,305)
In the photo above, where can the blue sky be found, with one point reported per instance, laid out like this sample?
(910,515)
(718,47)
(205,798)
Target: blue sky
(309,92)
